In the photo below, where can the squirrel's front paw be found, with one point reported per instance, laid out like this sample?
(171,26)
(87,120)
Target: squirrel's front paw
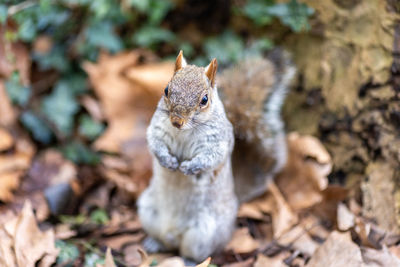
(169,162)
(189,168)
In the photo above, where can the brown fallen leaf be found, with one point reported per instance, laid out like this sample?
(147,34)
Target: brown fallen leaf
(204,263)
(305,175)
(29,245)
(345,218)
(9,181)
(272,203)
(337,250)
(264,261)
(172,262)
(6,140)
(143,75)
(242,241)
(109,261)
(299,239)
(378,258)
(246,263)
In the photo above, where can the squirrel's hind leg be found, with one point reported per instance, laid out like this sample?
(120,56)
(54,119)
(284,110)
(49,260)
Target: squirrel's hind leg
(205,237)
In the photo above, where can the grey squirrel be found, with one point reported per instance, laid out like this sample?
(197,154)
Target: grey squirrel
(192,200)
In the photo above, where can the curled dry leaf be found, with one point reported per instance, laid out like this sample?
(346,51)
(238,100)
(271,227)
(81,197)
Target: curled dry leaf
(25,244)
(242,242)
(305,174)
(338,250)
(273,203)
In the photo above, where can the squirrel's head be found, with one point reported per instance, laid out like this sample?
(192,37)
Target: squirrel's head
(189,94)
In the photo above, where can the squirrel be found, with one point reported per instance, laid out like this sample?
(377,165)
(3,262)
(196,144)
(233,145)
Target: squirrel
(193,197)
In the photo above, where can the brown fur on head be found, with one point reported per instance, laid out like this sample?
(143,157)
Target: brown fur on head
(186,92)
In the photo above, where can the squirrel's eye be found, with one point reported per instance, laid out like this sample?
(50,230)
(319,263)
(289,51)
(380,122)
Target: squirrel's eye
(166,91)
(204,100)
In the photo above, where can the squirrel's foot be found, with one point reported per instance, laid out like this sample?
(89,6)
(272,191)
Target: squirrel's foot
(169,162)
(188,262)
(152,245)
(190,168)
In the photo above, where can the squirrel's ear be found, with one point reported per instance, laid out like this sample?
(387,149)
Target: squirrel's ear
(180,61)
(211,71)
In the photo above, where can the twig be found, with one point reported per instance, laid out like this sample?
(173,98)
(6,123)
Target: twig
(21,6)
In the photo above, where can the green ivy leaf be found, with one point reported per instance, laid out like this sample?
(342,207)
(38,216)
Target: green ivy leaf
(227,47)
(93,260)
(18,93)
(3,13)
(68,253)
(54,59)
(102,35)
(60,107)
(74,82)
(80,154)
(73,220)
(149,36)
(293,14)
(257,10)
(99,216)
(39,129)
(27,30)
(89,127)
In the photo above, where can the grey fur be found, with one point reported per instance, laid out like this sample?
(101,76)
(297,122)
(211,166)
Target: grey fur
(191,208)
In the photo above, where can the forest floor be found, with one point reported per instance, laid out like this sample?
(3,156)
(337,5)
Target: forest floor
(57,211)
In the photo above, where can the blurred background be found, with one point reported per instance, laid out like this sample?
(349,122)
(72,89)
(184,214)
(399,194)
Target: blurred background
(79,81)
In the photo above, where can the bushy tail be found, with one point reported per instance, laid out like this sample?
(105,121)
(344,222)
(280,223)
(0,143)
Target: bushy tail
(253,92)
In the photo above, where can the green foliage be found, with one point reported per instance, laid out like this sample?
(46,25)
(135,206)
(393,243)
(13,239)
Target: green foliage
(39,129)
(90,128)
(99,216)
(292,14)
(18,93)
(60,107)
(93,260)
(77,30)
(68,253)
(80,153)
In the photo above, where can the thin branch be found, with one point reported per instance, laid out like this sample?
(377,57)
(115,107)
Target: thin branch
(21,6)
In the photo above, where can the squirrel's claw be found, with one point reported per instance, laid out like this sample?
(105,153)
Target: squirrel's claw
(169,162)
(189,168)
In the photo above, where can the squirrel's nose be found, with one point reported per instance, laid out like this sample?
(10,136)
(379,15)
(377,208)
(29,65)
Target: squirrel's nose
(177,122)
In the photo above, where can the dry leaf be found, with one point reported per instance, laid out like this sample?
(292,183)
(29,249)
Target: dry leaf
(172,262)
(345,218)
(205,263)
(144,75)
(264,261)
(6,140)
(242,242)
(298,238)
(247,263)
(28,244)
(273,203)
(109,261)
(379,258)
(338,250)
(305,175)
